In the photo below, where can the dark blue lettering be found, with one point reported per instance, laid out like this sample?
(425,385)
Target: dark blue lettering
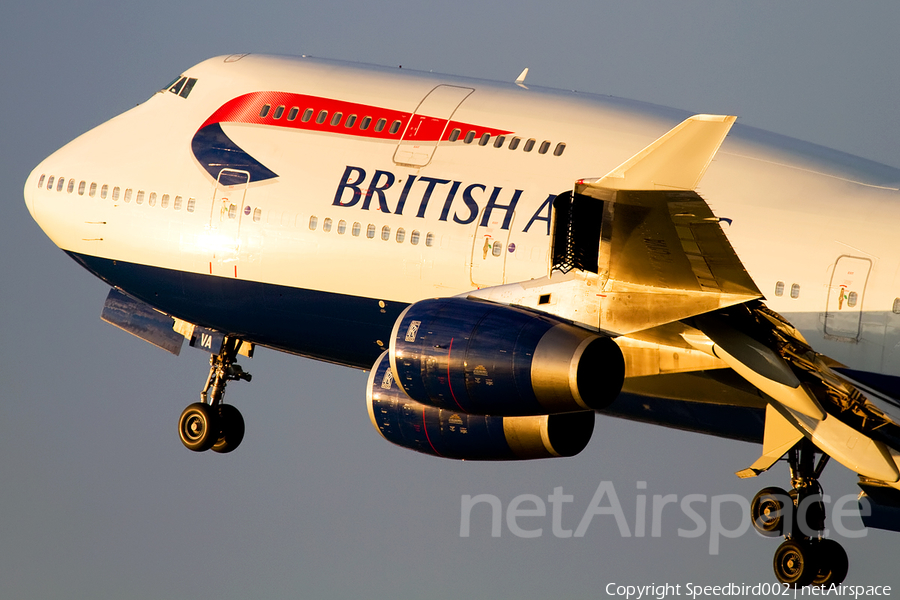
(379,191)
(428,191)
(470,204)
(509,208)
(548,204)
(450,196)
(402,202)
(346,183)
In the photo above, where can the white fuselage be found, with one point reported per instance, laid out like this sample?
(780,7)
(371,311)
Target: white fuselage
(814,225)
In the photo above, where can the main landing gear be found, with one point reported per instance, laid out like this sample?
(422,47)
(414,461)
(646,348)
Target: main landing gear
(805,557)
(210,424)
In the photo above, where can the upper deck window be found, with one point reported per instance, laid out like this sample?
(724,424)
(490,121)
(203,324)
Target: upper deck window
(181,86)
(264,111)
(307,115)
(323,114)
(351,120)
(395,126)
(454,135)
(514,143)
(560,148)
(278,112)
(529,144)
(485,138)
(364,124)
(336,119)
(545,145)
(292,114)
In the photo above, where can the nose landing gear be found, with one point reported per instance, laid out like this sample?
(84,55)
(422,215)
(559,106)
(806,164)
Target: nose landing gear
(210,424)
(805,557)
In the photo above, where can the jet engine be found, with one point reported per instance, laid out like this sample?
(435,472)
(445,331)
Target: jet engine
(448,434)
(481,358)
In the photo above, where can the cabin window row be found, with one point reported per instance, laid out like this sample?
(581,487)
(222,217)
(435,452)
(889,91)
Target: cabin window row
(371,230)
(795,289)
(334,119)
(115,193)
(514,142)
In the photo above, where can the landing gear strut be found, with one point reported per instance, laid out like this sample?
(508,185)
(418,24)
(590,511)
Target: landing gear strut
(210,424)
(805,557)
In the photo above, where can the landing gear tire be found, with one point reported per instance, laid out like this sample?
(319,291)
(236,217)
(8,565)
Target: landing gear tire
(198,427)
(231,429)
(795,563)
(768,509)
(833,563)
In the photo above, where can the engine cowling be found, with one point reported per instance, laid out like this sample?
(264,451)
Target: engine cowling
(448,434)
(480,357)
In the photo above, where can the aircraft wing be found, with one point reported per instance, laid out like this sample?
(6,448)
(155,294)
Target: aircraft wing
(639,255)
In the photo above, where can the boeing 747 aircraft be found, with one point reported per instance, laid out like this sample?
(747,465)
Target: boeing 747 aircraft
(507,261)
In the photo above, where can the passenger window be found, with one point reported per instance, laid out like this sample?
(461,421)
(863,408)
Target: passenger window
(257,213)
(356,229)
(380,124)
(93,190)
(342,227)
(351,121)
(560,148)
(164,201)
(326,225)
(313,222)
(529,145)
(514,143)
(896,307)
(545,145)
(385,233)
(485,138)
(401,235)
(364,124)
(336,119)
(470,137)
(41,180)
(232,211)
(60,184)
(177,204)
(370,231)
(191,203)
(454,135)
(307,115)
(779,288)
(292,114)
(264,111)
(104,191)
(429,239)
(140,197)
(795,290)
(81,187)
(414,237)
(498,141)
(115,195)
(50,182)
(395,127)
(278,112)
(323,114)
(71,187)
(497,249)
(852,298)
(128,193)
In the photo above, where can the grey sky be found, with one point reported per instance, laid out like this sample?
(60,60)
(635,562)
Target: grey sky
(98,499)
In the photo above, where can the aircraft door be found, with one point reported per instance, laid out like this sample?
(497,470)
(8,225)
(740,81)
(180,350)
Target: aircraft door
(227,210)
(490,247)
(428,124)
(843,311)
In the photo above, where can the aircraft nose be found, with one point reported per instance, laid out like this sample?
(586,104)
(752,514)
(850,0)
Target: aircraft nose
(31,184)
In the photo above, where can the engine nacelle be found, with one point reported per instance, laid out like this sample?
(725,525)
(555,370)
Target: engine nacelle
(448,434)
(483,358)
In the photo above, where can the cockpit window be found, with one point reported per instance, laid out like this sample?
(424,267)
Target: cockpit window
(181,86)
